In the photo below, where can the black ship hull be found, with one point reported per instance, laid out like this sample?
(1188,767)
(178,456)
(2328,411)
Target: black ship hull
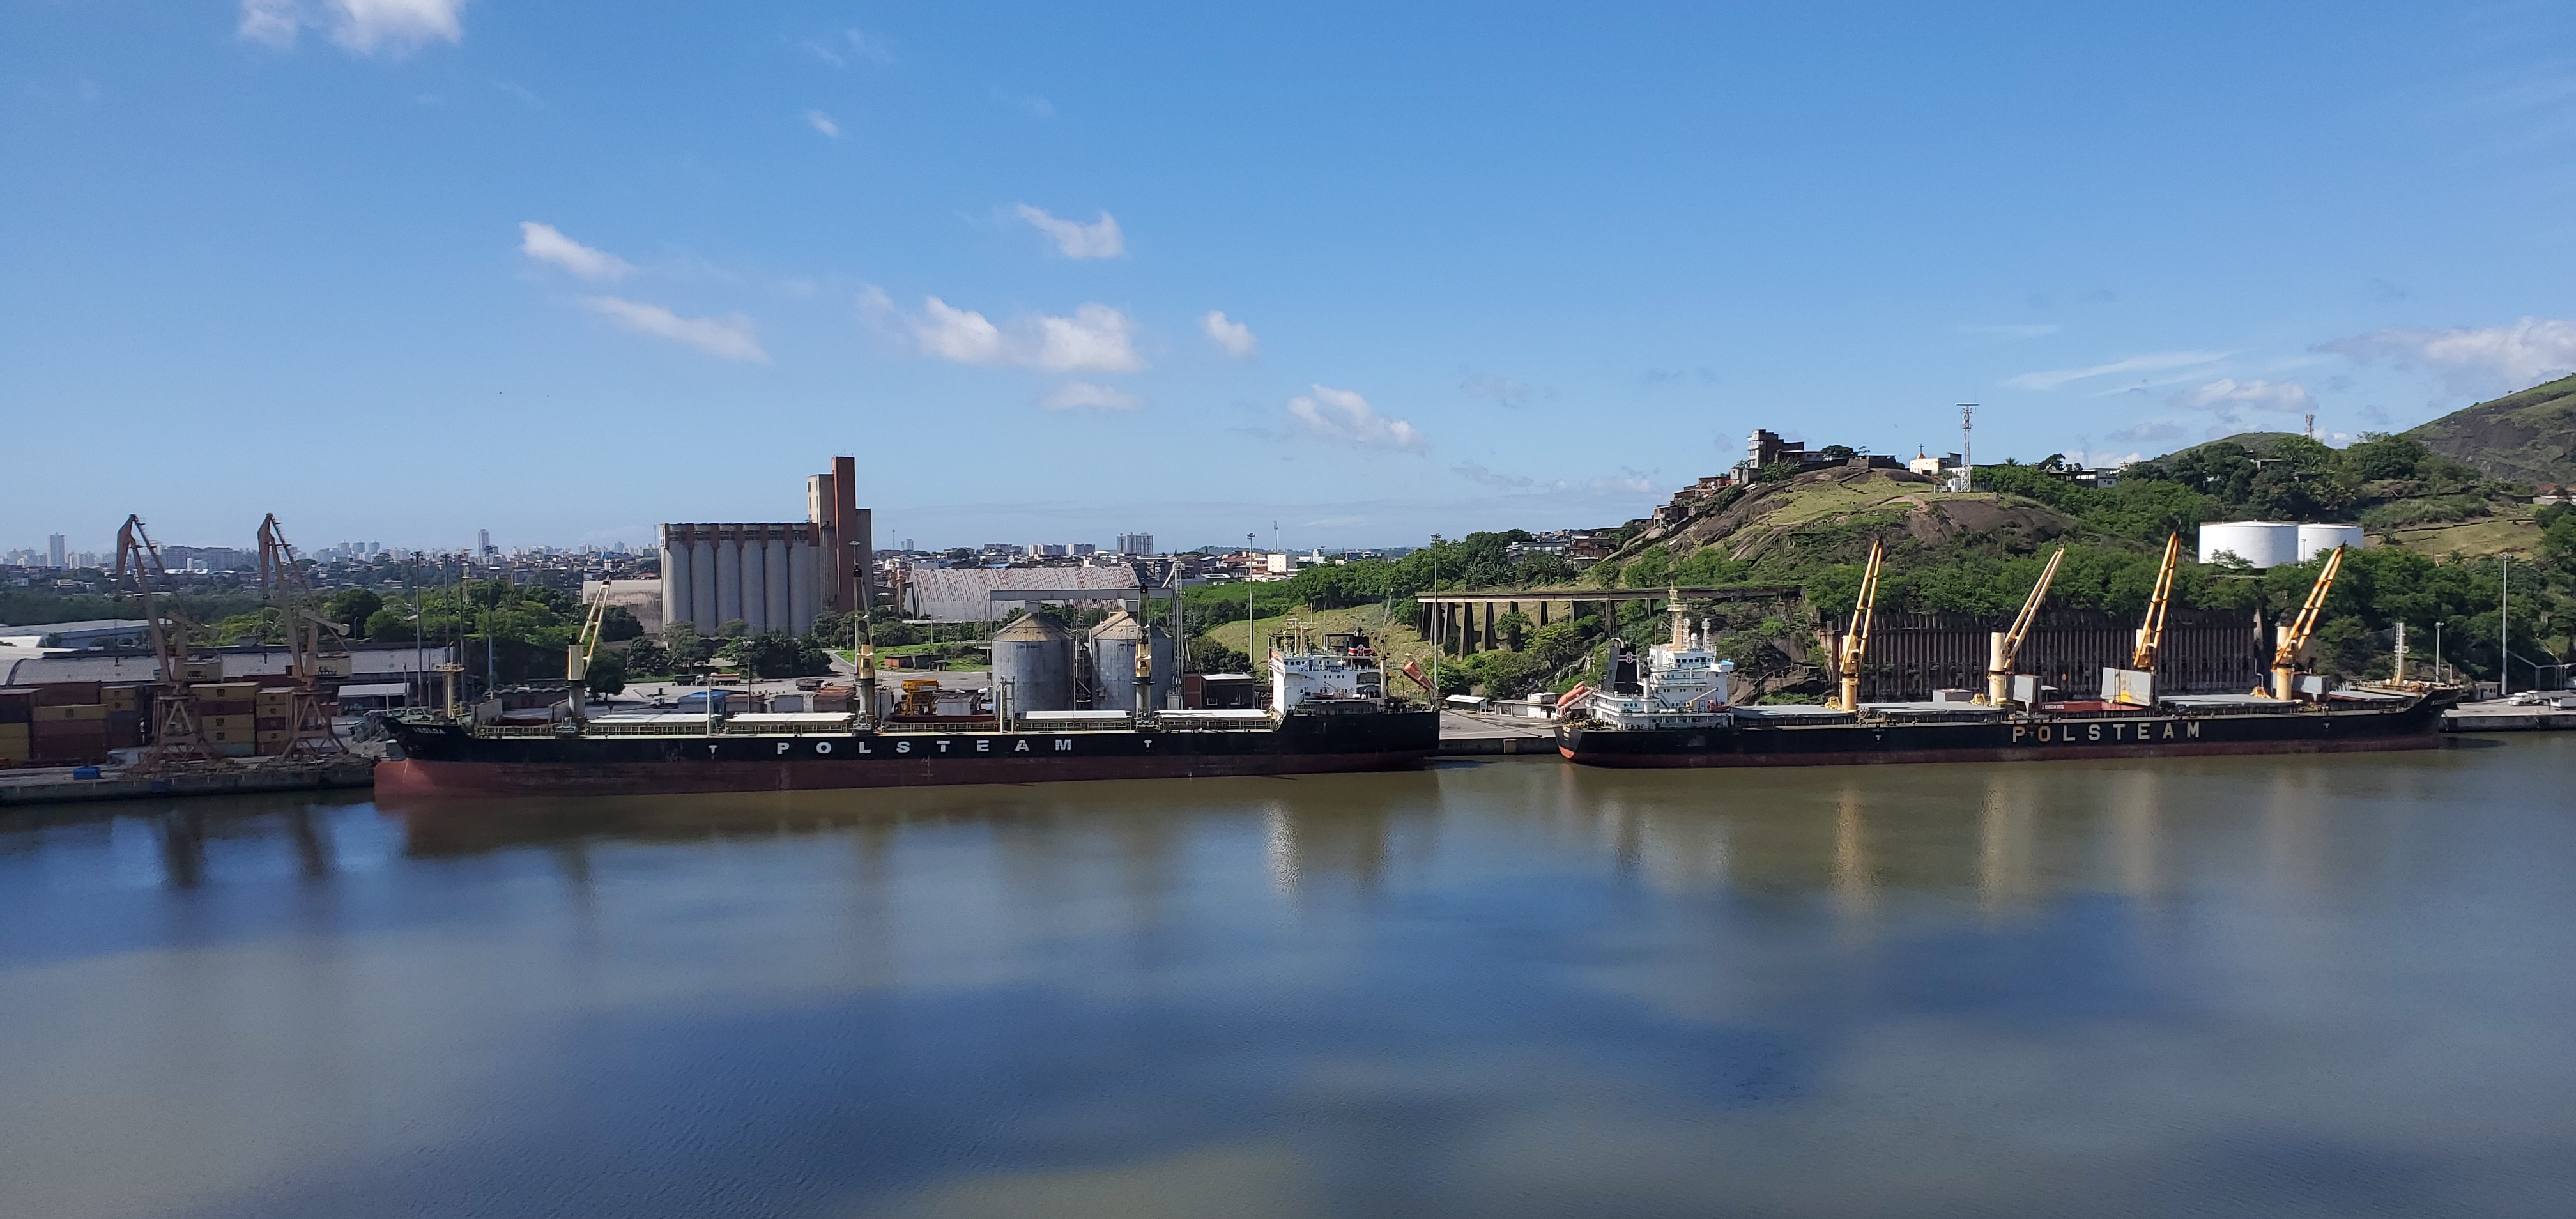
(441,760)
(2047,737)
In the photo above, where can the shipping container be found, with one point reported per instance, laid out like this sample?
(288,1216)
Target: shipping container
(17,706)
(201,670)
(228,690)
(227,706)
(71,712)
(60,693)
(226,723)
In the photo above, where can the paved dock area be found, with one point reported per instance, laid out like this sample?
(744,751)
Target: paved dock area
(1469,733)
(2506,715)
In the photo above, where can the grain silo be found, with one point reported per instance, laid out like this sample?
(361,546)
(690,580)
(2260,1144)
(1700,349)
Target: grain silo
(1113,663)
(1033,665)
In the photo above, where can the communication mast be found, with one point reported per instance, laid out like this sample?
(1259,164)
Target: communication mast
(313,646)
(1967,452)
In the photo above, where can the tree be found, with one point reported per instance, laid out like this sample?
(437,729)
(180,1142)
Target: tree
(618,625)
(607,673)
(645,658)
(684,647)
(733,628)
(353,607)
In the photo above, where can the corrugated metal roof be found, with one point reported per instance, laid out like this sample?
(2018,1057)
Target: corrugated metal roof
(965,594)
(266,662)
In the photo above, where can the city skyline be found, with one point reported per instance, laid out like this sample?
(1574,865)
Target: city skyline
(566,276)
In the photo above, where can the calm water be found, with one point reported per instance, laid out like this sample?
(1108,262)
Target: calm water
(2247,986)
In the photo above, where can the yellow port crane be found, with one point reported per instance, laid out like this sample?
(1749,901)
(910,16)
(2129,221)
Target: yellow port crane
(2295,636)
(1856,641)
(578,654)
(2152,635)
(2006,647)
(177,734)
(313,646)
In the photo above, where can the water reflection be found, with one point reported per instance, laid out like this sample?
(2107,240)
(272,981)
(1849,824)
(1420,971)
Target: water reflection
(2241,986)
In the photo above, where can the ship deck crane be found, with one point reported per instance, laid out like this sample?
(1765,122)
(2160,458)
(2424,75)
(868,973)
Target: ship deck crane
(177,734)
(2151,636)
(1856,641)
(2006,648)
(299,613)
(578,654)
(2295,636)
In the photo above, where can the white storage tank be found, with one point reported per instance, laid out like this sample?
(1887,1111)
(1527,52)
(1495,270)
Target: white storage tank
(1113,664)
(2315,540)
(2261,543)
(1035,657)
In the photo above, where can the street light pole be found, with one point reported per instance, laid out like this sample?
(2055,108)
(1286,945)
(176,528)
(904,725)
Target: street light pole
(1251,613)
(1438,618)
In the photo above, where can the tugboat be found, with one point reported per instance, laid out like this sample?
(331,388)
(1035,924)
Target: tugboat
(1328,712)
(1676,712)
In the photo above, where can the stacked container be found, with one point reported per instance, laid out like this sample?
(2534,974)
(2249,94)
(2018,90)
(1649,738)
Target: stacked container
(69,724)
(17,713)
(228,717)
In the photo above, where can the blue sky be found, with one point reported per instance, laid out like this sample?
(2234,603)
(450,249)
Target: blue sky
(400,269)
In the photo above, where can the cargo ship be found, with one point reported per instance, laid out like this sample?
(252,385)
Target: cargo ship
(1328,712)
(1674,710)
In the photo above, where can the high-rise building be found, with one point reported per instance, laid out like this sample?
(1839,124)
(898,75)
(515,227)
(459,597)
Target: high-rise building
(1136,543)
(54,551)
(483,541)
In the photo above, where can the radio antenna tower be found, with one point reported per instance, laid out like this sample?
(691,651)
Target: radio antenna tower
(1967,452)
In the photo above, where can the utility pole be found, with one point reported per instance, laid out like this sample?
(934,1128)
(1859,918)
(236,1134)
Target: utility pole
(2504,627)
(1438,619)
(1251,613)
(1967,452)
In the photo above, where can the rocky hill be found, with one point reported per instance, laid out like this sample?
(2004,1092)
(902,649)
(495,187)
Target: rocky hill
(2526,437)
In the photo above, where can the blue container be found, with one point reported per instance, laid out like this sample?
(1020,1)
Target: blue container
(84,772)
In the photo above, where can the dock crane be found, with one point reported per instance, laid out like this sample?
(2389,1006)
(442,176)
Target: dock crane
(1856,641)
(310,639)
(578,654)
(177,734)
(2152,635)
(2006,646)
(2295,636)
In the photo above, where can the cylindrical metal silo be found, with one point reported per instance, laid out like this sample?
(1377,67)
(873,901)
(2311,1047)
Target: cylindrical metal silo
(675,579)
(2315,540)
(702,584)
(728,579)
(800,586)
(1035,656)
(2261,543)
(1113,664)
(755,583)
(773,571)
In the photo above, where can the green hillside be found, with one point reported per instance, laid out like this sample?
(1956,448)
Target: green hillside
(2525,437)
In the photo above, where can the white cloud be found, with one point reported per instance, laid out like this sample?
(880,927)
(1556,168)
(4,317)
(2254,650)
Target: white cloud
(2230,397)
(1093,338)
(727,337)
(546,243)
(1074,239)
(1625,482)
(1501,389)
(1083,395)
(2521,355)
(2146,363)
(1347,418)
(1232,335)
(364,26)
(2150,432)
(823,123)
